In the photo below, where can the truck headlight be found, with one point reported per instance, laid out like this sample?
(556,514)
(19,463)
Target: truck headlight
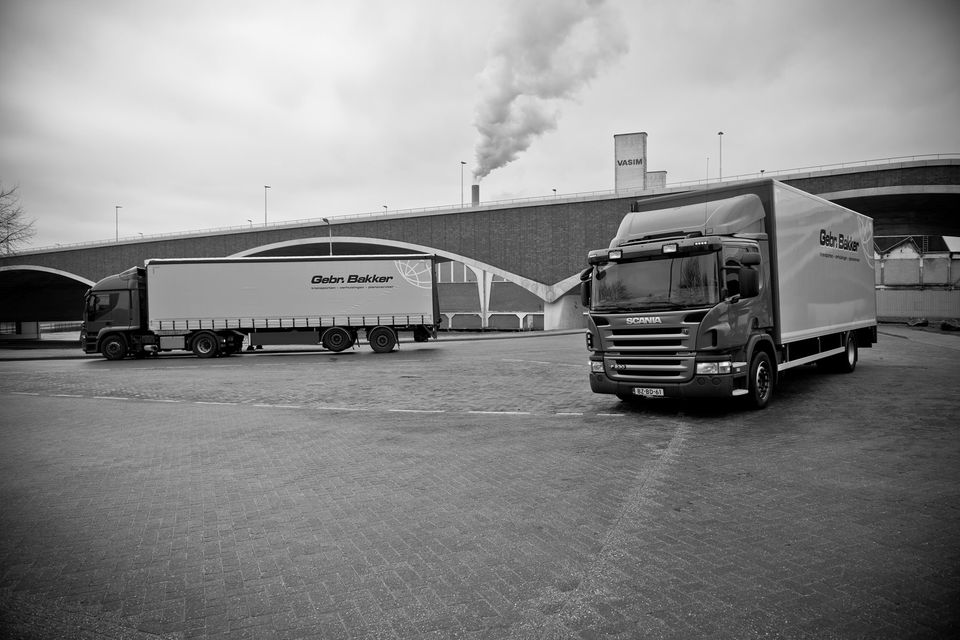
(713,368)
(596,366)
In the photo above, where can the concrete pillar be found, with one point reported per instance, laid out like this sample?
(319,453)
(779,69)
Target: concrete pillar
(484,287)
(564,313)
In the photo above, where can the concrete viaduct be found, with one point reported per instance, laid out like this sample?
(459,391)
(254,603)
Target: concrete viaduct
(538,244)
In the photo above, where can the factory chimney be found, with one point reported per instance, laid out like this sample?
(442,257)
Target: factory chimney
(475,195)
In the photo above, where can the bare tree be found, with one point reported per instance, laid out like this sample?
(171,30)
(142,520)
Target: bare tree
(15,229)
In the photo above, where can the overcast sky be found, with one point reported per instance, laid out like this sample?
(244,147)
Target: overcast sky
(181,111)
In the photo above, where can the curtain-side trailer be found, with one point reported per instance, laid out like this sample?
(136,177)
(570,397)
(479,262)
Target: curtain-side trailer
(713,293)
(211,305)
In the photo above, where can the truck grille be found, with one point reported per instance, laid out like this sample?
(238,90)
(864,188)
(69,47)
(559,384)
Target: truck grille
(649,354)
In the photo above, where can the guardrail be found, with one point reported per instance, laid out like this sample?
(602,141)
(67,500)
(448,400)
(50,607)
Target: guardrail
(492,204)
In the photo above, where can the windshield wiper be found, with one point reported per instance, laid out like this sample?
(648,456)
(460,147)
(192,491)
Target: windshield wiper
(666,304)
(615,308)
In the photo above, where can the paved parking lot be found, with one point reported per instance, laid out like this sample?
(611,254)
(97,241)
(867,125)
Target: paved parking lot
(474,489)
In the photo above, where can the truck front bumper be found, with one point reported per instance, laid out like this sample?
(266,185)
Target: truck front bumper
(700,386)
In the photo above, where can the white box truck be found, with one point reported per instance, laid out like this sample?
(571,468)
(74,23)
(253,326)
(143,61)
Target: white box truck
(713,293)
(210,305)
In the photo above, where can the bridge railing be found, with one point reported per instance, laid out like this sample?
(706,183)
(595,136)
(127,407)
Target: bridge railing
(569,197)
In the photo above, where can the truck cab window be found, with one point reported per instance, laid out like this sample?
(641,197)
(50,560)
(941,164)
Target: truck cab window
(732,261)
(104,304)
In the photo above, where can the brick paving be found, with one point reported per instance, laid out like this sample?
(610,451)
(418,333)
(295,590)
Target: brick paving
(320,500)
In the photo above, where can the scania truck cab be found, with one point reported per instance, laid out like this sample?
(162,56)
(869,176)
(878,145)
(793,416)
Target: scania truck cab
(714,293)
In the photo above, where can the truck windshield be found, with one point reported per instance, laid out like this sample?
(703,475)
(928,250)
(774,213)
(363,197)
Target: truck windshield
(662,283)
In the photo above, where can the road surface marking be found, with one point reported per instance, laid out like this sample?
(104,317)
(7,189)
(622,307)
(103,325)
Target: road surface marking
(502,413)
(417,410)
(552,364)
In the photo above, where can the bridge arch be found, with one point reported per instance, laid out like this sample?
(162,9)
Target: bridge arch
(58,272)
(547,293)
(34,293)
(559,310)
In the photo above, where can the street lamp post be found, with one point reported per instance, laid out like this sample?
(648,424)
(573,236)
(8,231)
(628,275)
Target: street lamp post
(720,136)
(116,222)
(251,222)
(329,234)
(462,165)
(265,187)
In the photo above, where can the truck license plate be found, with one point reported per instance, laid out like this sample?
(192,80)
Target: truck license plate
(647,391)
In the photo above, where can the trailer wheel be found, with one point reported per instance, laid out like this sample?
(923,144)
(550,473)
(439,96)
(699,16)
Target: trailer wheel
(337,339)
(206,345)
(382,339)
(114,347)
(761,380)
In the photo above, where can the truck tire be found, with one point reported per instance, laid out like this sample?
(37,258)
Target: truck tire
(846,362)
(761,380)
(382,339)
(206,344)
(114,347)
(337,339)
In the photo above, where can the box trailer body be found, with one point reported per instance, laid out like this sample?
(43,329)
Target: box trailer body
(713,293)
(211,305)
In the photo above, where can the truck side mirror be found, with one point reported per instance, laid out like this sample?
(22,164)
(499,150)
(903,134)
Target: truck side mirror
(585,277)
(749,282)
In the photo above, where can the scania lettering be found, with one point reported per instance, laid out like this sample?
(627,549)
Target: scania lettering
(210,306)
(715,293)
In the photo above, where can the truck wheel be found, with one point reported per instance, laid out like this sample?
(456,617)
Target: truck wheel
(114,348)
(206,345)
(336,339)
(382,339)
(761,380)
(846,362)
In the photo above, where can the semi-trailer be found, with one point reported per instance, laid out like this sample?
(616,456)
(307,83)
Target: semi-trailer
(211,305)
(717,292)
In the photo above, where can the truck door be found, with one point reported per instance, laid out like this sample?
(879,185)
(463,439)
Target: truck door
(108,309)
(741,313)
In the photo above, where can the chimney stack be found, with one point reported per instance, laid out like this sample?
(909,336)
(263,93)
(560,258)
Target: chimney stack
(475,195)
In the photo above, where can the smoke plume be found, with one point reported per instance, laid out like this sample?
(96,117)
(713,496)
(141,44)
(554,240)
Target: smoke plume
(549,51)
